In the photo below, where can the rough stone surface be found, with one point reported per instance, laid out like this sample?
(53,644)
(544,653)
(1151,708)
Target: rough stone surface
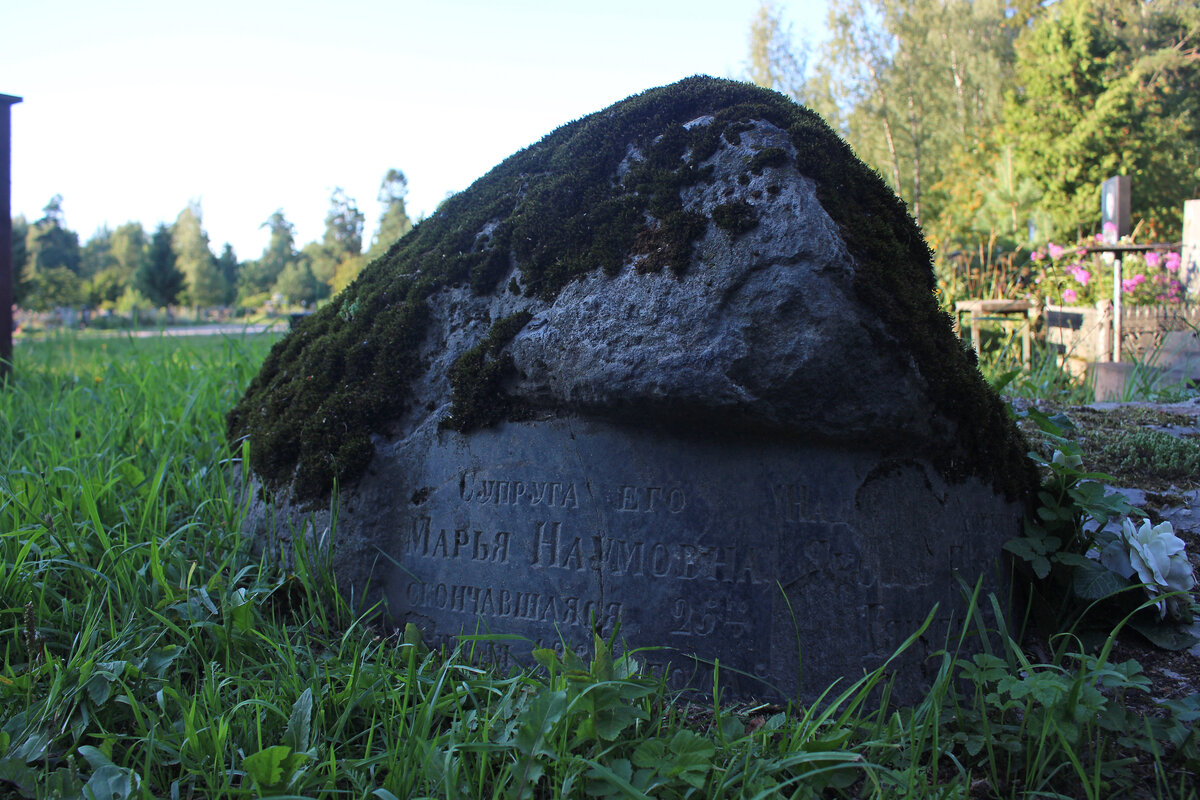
(725,434)
(731,548)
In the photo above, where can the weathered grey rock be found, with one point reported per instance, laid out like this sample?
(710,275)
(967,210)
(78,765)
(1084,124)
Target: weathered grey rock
(740,450)
(742,550)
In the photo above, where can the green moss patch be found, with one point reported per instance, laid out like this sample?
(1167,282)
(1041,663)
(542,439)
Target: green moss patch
(477,374)
(735,218)
(557,210)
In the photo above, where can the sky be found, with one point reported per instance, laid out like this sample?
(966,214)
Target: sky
(133,109)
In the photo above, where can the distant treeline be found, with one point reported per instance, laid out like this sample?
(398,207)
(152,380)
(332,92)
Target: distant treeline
(130,268)
(997,120)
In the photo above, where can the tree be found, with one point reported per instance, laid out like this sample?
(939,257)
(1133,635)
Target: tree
(776,62)
(341,245)
(52,260)
(1105,89)
(48,243)
(129,249)
(394,221)
(96,255)
(343,225)
(297,284)
(203,282)
(913,85)
(98,265)
(258,277)
(228,267)
(157,278)
(1009,202)
(53,287)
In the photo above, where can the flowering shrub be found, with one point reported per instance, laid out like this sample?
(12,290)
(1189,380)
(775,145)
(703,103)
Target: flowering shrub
(1073,276)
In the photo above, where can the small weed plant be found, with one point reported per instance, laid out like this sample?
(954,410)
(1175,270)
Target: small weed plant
(149,653)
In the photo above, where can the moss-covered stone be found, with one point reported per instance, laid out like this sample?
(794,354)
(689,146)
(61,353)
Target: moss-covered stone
(476,376)
(735,218)
(597,194)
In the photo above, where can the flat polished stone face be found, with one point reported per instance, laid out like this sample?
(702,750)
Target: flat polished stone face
(791,565)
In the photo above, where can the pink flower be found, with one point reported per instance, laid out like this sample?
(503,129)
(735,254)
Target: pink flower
(1099,237)
(1128,285)
(1055,250)
(1110,227)
(1081,251)
(1036,255)
(1172,262)
(1139,279)
(1080,274)
(1151,260)
(1069,296)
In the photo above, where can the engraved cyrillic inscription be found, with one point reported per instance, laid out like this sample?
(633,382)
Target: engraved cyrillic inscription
(648,499)
(795,503)
(464,543)
(532,494)
(490,602)
(553,547)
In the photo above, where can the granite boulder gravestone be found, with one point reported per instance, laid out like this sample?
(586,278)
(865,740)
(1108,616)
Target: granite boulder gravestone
(677,367)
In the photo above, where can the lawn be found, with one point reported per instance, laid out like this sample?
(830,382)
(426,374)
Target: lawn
(148,652)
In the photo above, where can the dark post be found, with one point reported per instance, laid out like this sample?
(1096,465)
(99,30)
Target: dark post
(6,265)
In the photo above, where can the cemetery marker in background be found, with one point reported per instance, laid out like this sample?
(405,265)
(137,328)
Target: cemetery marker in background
(679,367)
(6,265)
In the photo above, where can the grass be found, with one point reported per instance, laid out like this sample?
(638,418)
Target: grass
(148,653)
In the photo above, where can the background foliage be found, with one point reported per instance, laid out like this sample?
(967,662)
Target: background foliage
(997,120)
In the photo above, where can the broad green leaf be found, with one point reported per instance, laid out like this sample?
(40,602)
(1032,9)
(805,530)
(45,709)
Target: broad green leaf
(602,663)
(299,727)
(1041,567)
(1022,547)
(650,753)
(613,719)
(538,720)
(547,658)
(1162,633)
(1091,580)
(110,782)
(412,635)
(1074,560)
(693,757)
(615,779)
(266,767)
(241,610)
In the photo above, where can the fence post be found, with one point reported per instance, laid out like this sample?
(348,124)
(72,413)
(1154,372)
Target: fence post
(1104,327)
(6,265)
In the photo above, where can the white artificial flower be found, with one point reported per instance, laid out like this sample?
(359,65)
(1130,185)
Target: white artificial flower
(1155,554)
(1064,460)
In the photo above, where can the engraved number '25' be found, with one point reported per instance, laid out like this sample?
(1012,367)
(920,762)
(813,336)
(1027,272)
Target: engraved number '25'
(693,623)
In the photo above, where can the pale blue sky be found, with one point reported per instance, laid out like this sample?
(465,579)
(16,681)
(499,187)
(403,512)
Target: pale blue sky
(133,108)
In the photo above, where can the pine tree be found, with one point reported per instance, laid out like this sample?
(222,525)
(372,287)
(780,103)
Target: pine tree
(157,278)
(228,267)
(394,221)
(256,278)
(204,285)
(1107,89)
